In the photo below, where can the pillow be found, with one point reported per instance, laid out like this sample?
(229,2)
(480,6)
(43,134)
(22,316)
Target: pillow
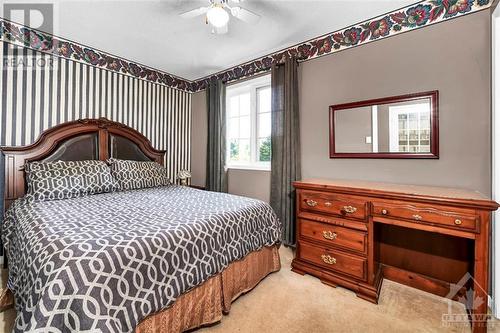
(132,175)
(68,179)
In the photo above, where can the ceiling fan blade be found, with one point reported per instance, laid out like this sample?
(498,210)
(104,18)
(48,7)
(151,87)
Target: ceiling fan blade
(245,15)
(220,31)
(194,12)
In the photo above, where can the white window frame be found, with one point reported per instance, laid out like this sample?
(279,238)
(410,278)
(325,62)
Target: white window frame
(394,112)
(250,86)
(374,137)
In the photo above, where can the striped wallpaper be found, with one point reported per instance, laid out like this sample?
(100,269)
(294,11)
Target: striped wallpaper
(39,91)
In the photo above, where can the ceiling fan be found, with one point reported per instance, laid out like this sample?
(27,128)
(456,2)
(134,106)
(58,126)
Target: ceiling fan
(217,16)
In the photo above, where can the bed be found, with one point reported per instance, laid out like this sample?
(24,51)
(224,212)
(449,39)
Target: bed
(160,259)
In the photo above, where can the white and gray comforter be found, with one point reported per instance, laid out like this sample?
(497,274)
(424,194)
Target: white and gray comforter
(104,262)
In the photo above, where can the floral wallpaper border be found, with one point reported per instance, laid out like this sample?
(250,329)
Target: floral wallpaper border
(40,41)
(412,17)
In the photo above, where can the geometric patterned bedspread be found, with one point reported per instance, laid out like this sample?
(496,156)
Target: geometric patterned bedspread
(104,262)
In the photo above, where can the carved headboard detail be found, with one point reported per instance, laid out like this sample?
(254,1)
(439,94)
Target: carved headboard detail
(76,140)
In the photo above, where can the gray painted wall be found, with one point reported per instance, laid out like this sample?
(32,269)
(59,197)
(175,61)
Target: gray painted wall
(352,126)
(250,183)
(199,132)
(452,57)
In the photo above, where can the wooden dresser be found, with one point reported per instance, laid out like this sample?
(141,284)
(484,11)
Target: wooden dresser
(353,234)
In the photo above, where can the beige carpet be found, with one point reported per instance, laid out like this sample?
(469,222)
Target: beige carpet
(291,303)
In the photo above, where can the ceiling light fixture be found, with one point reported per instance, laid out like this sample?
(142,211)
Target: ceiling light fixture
(217,16)
(218,12)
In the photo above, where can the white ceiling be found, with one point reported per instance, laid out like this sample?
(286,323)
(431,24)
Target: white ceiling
(152,33)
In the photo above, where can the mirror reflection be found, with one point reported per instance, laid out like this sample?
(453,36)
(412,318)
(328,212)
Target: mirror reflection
(403,127)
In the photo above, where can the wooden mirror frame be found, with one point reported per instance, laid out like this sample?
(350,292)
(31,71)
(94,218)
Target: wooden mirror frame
(434,118)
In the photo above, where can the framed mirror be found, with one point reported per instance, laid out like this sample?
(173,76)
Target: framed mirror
(403,126)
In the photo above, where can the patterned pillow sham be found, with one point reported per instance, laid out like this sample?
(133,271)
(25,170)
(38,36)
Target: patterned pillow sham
(68,179)
(132,175)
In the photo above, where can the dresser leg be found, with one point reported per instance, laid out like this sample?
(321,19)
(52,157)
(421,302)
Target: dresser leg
(479,309)
(479,313)
(328,283)
(370,292)
(297,270)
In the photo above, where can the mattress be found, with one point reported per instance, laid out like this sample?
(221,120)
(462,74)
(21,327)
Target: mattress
(105,262)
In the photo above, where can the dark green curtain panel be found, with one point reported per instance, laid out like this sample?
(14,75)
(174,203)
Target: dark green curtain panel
(285,138)
(216,143)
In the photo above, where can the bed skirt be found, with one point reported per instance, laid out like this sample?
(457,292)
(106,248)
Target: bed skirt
(206,303)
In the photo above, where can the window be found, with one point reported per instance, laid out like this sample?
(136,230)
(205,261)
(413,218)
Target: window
(410,128)
(248,107)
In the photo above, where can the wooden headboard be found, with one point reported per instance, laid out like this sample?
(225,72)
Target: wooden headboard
(85,139)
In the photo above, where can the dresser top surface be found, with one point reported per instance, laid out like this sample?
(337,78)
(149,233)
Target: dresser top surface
(415,190)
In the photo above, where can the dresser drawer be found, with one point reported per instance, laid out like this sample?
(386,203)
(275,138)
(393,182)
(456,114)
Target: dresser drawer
(334,260)
(457,218)
(330,203)
(333,235)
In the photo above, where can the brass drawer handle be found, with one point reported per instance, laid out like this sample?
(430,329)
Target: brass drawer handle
(417,217)
(350,209)
(384,212)
(311,203)
(458,222)
(328,259)
(329,235)
(328,204)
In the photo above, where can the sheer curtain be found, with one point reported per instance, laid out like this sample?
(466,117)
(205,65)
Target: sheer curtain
(285,138)
(216,143)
